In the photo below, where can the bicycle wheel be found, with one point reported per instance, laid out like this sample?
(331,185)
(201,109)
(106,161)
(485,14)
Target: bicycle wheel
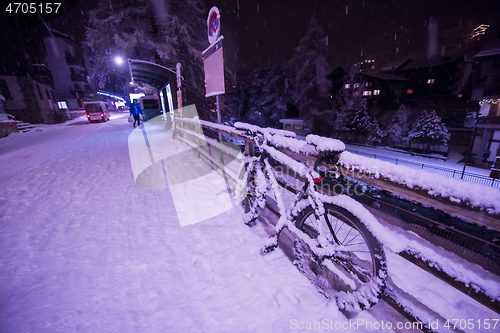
(355,274)
(252,192)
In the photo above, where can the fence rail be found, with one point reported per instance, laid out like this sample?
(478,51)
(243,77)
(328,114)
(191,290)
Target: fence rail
(457,174)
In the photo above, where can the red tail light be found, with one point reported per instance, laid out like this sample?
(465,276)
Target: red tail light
(88,116)
(102,114)
(317,180)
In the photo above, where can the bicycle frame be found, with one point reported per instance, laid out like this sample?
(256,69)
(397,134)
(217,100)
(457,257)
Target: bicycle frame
(308,191)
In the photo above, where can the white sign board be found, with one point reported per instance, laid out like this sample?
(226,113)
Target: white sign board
(213,60)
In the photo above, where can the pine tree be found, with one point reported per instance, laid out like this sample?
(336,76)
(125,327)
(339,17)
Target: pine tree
(399,126)
(238,102)
(429,129)
(270,93)
(161,31)
(350,110)
(311,85)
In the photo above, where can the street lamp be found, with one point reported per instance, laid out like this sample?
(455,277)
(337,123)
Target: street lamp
(118,60)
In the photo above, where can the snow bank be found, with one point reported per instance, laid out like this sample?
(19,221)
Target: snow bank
(475,195)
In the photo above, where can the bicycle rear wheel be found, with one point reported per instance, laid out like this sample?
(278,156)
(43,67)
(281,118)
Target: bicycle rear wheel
(355,274)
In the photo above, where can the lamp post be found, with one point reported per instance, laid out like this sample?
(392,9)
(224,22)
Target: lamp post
(469,151)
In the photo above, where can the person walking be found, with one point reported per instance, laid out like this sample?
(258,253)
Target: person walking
(136,111)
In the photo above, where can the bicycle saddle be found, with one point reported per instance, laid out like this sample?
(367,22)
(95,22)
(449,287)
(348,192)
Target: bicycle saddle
(325,145)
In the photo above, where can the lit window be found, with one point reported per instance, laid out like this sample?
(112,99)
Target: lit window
(409,91)
(368,84)
(62,105)
(376,92)
(356,85)
(297,126)
(430,81)
(347,86)
(367,93)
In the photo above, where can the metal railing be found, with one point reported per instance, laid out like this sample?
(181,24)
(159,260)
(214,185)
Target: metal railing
(457,174)
(477,245)
(474,244)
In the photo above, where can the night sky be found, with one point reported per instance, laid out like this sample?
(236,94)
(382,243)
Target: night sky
(356,30)
(254,30)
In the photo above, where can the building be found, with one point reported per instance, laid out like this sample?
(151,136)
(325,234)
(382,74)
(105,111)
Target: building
(297,125)
(487,91)
(26,83)
(66,61)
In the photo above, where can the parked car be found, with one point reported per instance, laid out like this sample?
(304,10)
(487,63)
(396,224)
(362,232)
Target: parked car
(96,111)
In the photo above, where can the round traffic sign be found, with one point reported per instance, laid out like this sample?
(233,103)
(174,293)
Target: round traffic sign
(213,25)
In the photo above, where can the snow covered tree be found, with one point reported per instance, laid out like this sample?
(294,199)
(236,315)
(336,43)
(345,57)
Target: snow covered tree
(238,102)
(270,93)
(161,31)
(429,129)
(311,93)
(350,110)
(399,126)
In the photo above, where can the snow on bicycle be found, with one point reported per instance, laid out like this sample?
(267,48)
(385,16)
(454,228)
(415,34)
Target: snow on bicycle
(332,241)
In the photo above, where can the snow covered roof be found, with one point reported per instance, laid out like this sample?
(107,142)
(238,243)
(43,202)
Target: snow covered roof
(292,120)
(383,76)
(492,48)
(150,73)
(424,63)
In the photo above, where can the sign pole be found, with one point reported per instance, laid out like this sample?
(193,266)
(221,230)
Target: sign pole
(218,116)
(179,91)
(213,59)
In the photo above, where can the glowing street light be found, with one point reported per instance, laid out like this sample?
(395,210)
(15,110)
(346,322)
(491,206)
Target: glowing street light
(118,60)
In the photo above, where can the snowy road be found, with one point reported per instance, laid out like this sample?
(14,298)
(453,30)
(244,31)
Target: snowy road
(84,249)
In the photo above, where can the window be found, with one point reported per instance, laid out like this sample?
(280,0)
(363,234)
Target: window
(356,85)
(430,81)
(347,86)
(62,105)
(368,84)
(4,90)
(409,91)
(297,126)
(376,92)
(287,126)
(367,93)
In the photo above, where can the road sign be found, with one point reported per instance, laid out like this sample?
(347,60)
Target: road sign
(213,25)
(213,60)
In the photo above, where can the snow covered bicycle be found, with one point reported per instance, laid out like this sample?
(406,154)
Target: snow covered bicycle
(332,244)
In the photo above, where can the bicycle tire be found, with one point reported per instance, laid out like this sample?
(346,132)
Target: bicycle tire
(252,192)
(355,276)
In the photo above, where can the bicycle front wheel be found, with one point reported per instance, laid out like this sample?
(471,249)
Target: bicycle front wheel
(252,191)
(355,274)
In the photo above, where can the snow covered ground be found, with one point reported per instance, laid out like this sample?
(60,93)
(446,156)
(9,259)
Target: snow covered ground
(84,249)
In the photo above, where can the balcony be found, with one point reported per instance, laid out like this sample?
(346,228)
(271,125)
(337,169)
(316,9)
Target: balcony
(489,122)
(79,77)
(74,61)
(41,73)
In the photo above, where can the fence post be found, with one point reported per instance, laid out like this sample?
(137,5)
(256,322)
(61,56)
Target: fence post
(422,166)
(396,161)
(249,148)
